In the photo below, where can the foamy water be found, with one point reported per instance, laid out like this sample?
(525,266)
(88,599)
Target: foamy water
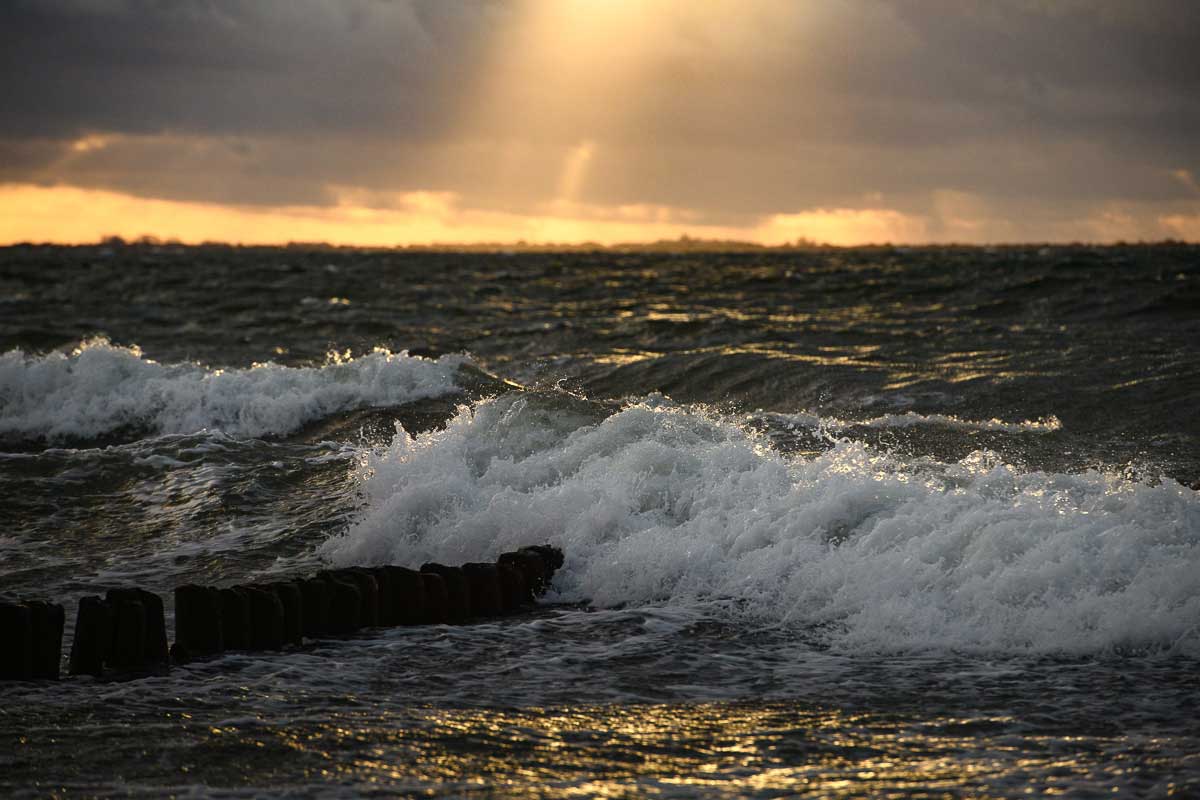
(101,388)
(912,419)
(659,504)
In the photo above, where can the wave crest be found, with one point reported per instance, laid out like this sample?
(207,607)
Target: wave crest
(661,504)
(911,419)
(100,389)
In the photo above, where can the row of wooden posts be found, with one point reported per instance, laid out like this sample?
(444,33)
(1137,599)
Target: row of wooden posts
(124,633)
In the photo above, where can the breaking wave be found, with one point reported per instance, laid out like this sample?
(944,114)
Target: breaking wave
(659,504)
(100,389)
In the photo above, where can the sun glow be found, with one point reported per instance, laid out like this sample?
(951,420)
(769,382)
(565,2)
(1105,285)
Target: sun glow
(70,215)
(558,77)
(611,121)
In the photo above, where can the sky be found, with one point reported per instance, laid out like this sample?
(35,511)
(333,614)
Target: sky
(392,122)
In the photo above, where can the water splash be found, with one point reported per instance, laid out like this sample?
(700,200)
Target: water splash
(658,504)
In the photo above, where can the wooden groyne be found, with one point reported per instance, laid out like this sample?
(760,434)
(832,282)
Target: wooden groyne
(123,634)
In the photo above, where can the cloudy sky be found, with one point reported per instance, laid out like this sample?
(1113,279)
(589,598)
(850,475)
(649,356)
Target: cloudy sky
(410,121)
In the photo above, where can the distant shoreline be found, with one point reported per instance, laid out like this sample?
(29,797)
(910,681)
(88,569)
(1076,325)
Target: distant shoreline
(667,246)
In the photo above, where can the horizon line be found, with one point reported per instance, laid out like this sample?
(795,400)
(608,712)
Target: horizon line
(684,243)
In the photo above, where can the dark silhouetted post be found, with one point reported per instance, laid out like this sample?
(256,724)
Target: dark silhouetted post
(16,642)
(436,600)
(293,611)
(128,651)
(408,595)
(47,622)
(93,637)
(315,597)
(484,582)
(198,628)
(532,566)
(345,605)
(237,626)
(368,590)
(387,596)
(154,644)
(266,616)
(514,590)
(458,591)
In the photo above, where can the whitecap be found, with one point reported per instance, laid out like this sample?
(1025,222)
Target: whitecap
(101,388)
(661,504)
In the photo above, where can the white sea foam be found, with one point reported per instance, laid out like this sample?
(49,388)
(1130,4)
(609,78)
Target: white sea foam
(912,419)
(101,388)
(658,504)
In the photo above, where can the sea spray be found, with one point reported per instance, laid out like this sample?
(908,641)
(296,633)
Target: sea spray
(660,504)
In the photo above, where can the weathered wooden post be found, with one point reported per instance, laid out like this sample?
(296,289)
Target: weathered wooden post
(484,582)
(198,622)
(93,637)
(408,595)
(47,633)
(458,591)
(16,642)
(237,624)
(266,619)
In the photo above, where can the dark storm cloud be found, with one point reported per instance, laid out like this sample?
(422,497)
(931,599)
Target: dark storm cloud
(738,109)
(1067,104)
(280,67)
(1126,73)
(246,102)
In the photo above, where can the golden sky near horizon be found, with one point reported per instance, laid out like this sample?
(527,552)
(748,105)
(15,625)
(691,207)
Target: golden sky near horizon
(415,121)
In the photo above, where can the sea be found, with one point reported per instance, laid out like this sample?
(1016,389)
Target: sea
(876,522)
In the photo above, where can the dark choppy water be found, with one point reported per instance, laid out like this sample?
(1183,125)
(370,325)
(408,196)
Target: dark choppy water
(836,523)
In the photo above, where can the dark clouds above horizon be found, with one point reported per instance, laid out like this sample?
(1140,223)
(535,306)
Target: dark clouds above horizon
(1018,119)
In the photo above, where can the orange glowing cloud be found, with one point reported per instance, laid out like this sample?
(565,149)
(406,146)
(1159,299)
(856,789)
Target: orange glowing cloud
(72,215)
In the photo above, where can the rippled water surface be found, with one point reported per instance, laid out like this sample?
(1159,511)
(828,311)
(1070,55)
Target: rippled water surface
(837,523)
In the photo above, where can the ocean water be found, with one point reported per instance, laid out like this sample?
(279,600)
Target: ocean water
(883,522)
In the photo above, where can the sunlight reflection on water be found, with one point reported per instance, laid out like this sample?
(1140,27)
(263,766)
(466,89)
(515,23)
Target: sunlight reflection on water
(735,750)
